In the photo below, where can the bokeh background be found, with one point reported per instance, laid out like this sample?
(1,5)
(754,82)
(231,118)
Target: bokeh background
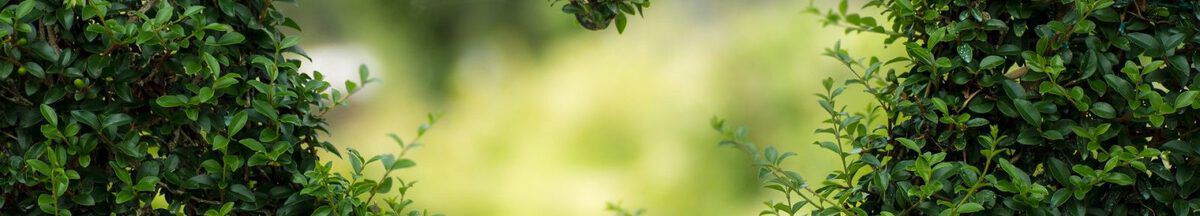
(542,117)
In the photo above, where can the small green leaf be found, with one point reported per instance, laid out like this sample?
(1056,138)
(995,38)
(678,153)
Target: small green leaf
(910,144)
(1103,110)
(1121,86)
(322,211)
(253,145)
(289,41)
(940,105)
(124,196)
(970,207)
(990,62)
(401,164)
(1119,178)
(171,100)
(23,9)
(49,114)
(1186,99)
(1028,111)
(621,22)
(237,122)
(47,203)
(1013,89)
(966,52)
(192,10)
(39,166)
(232,162)
(241,192)
(265,109)
(205,94)
(1145,41)
(1016,174)
(146,184)
(920,54)
(229,38)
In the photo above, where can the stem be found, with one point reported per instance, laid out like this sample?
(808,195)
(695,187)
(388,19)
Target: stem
(987,166)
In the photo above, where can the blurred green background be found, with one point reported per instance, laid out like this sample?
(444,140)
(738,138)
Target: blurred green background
(543,117)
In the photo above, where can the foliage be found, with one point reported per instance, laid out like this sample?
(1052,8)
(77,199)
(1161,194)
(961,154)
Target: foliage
(618,210)
(597,14)
(1009,107)
(109,105)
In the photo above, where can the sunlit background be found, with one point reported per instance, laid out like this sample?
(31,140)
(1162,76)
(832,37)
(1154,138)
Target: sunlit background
(543,117)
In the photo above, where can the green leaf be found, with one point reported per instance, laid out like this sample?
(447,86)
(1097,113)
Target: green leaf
(966,52)
(1145,41)
(218,27)
(1103,110)
(171,100)
(289,41)
(146,184)
(1119,178)
(49,114)
(1121,86)
(265,109)
(237,122)
(1016,174)
(1186,99)
(229,38)
(164,13)
(401,164)
(1013,89)
(1060,197)
(214,66)
(621,21)
(385,186)
(124,196)
(23,9)
(990,62)
(241,192)
(940,105)
(322,211)
(364,74)
(84,200)
(232,162)
(910,144)
(253,145)
(920,54)
(47,203)
(970,207)
(205,94)
(39,166)
(1028,111)
(192,10)
(211,166)
(6,68)
(1059,170)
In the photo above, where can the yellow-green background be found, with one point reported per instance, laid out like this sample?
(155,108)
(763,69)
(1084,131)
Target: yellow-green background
(545,118)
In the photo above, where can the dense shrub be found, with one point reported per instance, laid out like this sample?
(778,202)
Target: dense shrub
(598,14)
(1076,107)
(108,104)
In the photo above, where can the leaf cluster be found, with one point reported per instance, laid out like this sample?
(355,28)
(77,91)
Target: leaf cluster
(598,14)
(108,105)
(1047,107)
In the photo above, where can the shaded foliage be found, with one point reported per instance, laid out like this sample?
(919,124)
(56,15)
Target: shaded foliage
(1044,107)
(110,104)
(599,14)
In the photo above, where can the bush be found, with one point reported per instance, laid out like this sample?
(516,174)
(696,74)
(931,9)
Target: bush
(110,104)
(598,14)
(1009,107)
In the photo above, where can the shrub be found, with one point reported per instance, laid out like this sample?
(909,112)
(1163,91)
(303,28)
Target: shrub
(108,104)
(1008,107)
(598,14)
